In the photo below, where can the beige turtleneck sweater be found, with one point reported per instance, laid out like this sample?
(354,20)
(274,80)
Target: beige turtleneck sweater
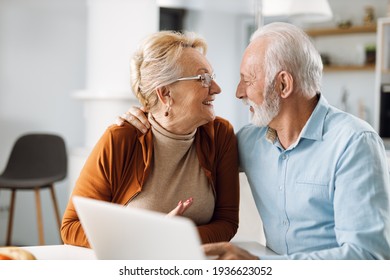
(176,175)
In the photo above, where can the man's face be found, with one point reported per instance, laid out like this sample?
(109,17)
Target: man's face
(254,89)
(264,113)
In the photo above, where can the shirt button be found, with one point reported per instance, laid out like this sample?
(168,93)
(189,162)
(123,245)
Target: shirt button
(284,157)
(280,187)
(285,222)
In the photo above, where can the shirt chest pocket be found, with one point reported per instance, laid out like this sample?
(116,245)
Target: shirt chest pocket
(312,189)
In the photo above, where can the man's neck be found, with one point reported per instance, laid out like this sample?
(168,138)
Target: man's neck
(292,119)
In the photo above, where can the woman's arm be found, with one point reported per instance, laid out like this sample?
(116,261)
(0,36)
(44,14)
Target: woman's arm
(100,178)
(224,223)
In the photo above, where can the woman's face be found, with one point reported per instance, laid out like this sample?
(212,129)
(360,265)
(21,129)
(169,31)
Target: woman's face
(191,102)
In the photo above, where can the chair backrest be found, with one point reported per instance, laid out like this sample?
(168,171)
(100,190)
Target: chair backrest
(37,156)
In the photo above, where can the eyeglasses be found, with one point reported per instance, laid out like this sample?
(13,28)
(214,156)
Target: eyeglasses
(205,78)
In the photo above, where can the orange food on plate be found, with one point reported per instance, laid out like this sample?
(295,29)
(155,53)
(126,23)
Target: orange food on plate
(15,253)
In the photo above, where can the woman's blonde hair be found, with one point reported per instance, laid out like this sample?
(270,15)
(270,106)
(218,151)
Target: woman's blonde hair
(155,63)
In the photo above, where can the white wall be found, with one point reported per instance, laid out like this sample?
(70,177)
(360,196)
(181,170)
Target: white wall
(42,60)
(360,91)
(354,10)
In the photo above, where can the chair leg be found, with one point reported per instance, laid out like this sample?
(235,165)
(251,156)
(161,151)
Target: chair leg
(57,212)
(10,218)
(39,216)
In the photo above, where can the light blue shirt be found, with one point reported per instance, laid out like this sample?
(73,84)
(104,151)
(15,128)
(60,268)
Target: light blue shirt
(326,196)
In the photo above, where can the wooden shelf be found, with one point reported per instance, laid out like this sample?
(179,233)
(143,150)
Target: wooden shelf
(335,68)
(355,29)
(341,31)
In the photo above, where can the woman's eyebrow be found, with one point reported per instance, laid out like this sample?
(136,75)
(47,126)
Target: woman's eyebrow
(205,70)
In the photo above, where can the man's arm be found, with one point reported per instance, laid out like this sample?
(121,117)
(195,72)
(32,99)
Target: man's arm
(227,251)
(361,203)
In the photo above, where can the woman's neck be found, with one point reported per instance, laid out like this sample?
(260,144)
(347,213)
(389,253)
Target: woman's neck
(174,125)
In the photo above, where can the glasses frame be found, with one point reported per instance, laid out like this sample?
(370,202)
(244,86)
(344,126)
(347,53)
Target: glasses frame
(205,78)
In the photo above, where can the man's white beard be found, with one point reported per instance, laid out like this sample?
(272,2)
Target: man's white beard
(263,114)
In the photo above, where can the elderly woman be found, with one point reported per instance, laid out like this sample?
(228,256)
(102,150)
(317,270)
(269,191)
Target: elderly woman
(187,161)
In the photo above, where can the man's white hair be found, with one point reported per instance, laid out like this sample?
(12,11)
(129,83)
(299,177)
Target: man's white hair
(290,49)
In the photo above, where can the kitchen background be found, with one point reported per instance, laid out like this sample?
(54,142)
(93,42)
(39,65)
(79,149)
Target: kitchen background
(63,69)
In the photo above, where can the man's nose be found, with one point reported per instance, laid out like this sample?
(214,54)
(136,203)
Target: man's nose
(240,92)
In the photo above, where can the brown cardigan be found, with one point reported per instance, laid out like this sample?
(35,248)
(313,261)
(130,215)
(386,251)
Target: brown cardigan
(119,165)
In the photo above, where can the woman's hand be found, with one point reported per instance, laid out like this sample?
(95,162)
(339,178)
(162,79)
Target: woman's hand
(136,117)
(181,207)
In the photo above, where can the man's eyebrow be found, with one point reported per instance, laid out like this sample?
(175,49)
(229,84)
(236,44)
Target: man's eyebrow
(248,75)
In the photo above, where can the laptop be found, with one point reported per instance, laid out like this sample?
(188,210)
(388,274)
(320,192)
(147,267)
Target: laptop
(116,232)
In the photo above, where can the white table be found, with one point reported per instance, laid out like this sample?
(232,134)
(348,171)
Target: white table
(61,252)
(69,252)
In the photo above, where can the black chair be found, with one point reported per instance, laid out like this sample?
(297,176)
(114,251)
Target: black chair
(36,162)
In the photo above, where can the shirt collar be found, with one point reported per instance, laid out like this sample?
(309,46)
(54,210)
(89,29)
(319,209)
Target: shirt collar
(314,127)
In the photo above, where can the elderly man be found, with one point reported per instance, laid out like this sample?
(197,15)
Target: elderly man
(318,175)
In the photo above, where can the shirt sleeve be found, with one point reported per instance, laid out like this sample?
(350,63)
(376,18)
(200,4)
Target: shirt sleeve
(361,203)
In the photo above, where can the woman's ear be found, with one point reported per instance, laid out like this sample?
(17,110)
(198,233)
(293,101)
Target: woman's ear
(164,94)
(286,84)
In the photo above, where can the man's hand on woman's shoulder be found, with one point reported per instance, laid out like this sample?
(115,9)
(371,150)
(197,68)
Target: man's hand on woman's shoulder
(136,117)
